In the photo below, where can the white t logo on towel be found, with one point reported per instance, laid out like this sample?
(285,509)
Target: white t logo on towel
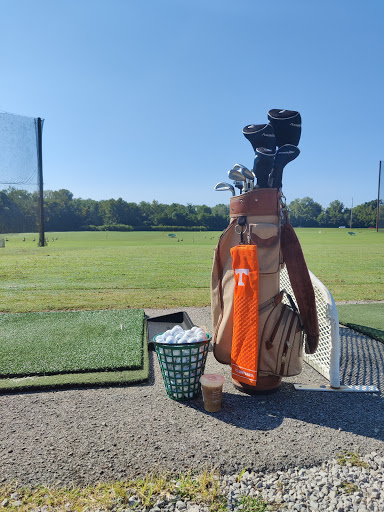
(242,271)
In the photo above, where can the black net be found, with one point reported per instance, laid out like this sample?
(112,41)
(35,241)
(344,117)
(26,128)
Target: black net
(20,179)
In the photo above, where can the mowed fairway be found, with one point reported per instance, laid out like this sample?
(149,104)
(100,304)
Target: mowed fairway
(99,270)
(116,270)
(351,266)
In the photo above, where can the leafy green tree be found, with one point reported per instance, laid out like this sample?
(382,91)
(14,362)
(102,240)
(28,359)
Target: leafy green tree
(334,215)
(60,214)
(364,215)
(305,212)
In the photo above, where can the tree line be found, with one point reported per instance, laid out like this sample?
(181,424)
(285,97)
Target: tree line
(62,212)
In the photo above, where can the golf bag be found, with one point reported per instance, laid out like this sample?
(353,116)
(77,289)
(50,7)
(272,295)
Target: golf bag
(256,220)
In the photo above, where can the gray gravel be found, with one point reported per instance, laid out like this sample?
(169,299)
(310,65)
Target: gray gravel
(81,436)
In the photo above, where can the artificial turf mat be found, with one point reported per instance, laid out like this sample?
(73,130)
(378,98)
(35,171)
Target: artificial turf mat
(72,348)
(365,318)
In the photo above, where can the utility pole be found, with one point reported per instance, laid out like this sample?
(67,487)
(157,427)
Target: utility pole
(378,201)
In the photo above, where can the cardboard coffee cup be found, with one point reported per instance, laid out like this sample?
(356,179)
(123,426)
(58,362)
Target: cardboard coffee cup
(212,388)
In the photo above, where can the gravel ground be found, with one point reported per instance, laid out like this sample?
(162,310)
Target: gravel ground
(81,436)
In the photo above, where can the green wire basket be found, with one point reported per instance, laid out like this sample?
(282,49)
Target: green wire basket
(182,365)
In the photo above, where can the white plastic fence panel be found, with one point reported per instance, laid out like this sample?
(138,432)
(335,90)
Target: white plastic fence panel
(326,360)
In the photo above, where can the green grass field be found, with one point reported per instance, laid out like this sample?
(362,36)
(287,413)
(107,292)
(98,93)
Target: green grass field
(116,270)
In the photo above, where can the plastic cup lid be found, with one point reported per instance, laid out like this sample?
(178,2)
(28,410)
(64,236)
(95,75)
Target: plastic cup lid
(212,379)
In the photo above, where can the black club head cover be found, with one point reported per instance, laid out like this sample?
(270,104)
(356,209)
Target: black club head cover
(260,136)
(262,166)
(284,155)
(286,125)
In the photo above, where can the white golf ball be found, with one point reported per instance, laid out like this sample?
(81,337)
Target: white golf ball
(201,336)
(189,333)
(177,329)
(159,338)
(170,339)
(192,340)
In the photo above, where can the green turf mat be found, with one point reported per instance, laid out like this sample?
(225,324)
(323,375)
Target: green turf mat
(41,344)
(365,318)
(117,378)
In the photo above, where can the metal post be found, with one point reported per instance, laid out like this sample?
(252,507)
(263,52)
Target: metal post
(378,201)
(40,180)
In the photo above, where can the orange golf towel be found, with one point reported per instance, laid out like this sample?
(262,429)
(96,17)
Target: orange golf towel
(245,314)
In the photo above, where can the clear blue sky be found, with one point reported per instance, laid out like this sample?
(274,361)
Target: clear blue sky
(146,99)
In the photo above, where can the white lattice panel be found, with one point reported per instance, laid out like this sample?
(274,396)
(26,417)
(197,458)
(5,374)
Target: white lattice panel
(326,359)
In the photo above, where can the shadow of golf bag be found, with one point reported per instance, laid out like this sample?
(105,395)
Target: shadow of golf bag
(261,355)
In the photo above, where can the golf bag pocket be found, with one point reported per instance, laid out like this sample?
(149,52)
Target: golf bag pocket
(281,343)
(267,238)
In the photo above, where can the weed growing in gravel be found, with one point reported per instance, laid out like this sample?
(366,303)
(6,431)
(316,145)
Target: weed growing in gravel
(240,475)
(347,488)
(352,458)
(202,488)
(252,504)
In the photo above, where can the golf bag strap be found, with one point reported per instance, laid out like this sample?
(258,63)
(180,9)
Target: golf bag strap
(274,301)
(256,202)
(301,285)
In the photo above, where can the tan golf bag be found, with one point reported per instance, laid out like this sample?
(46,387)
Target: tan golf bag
(256,219)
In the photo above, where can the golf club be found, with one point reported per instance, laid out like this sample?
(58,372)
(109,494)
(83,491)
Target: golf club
(286,125)
(224,186)
(235,175)
(263,165)
(248,175)
(239,185)
(260,136)
(284,155)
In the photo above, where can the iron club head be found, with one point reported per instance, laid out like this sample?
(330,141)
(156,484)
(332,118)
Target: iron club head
(235,175)
(248,175)
(224,186)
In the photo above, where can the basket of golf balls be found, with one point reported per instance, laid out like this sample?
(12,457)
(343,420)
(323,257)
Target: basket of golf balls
(182,356)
